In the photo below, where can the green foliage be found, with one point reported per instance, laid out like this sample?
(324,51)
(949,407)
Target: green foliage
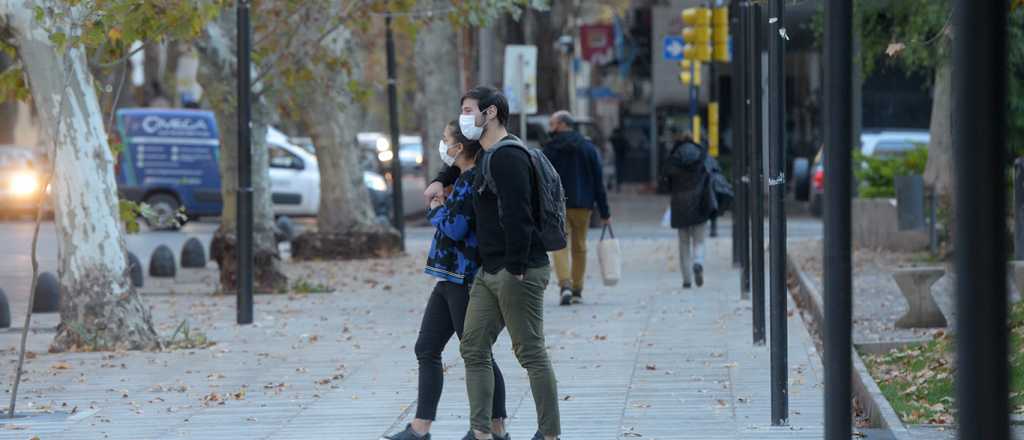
(877,175)
(303,286)
(129,213)
(186,338)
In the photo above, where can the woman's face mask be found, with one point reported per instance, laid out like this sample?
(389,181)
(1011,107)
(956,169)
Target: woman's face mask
(443,149)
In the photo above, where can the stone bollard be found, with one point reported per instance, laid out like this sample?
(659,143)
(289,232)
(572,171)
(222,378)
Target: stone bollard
(161,264)
(916,286)
(47,294)
(5,311)
(286,229)
(135,270)
(192,254)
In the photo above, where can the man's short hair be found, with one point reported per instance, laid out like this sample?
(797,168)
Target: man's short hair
(487,96)
(565,117)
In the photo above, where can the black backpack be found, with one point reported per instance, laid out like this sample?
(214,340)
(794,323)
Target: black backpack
(550,194)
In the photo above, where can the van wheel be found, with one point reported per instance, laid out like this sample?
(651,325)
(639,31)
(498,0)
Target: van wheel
(165,208)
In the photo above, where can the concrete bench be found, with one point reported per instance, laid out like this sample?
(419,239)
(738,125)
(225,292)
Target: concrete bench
(916,286)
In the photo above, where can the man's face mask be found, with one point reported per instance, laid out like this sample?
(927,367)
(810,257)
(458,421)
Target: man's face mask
(468,125)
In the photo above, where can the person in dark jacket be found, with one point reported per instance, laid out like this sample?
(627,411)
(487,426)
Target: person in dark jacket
(454,259)
(620,144)
(689,183)
(509,291)
(579,165)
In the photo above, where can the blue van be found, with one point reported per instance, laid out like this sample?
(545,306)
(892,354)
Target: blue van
(169,161)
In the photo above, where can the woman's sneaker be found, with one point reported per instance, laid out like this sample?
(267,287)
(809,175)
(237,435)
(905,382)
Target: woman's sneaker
(408,434)
(566,296)
(698,274)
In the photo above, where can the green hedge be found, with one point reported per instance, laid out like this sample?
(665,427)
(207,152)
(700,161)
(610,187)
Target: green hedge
(876,175)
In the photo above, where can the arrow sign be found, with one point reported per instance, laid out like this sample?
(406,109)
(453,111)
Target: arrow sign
(673,48)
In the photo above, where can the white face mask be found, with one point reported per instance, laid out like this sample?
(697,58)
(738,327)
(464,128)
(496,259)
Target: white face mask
(467,124)
(443,149)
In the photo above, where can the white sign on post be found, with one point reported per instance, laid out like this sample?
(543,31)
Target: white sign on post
(521,78)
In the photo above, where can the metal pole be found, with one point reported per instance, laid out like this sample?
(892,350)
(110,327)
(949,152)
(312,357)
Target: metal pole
(756,174)
(522,98)
(396,162)
(244,196)
(741,137)
(777,208)
(838,175)
(713,85)
(979,119)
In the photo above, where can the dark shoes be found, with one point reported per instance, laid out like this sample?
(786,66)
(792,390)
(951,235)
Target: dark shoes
(687,285)
(410,434)
(698,274)
(566,296)
(577,296)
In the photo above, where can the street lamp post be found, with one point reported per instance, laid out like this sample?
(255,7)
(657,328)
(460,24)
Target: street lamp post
(396,161)
(756,163)
(244,221)
(777,210)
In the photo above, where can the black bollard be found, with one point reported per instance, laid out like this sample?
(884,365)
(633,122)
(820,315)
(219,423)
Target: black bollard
(47,294)
(286,229)
(135,270)
(5,311)
(161,264)
(192,254)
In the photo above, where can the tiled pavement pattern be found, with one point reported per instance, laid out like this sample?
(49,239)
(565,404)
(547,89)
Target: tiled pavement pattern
(644,359)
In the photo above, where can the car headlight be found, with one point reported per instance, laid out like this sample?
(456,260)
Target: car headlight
(375,181)
(24,184)
(383,144)
(386,156)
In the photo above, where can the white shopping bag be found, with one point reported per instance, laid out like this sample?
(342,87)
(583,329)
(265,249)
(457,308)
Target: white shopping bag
(666,220)
(610,257)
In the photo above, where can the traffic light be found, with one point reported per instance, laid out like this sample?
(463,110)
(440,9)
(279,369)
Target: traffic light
(720,34)
(697,34)
(685,75)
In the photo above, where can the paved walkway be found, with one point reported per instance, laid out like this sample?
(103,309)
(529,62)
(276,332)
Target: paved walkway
(645,359)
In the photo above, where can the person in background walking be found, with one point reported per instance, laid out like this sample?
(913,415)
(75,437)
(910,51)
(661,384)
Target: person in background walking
(620,145)
(454,258)
(579,165)
(689,183)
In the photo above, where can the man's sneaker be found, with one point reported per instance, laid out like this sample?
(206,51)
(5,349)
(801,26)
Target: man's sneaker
(698,274)
(409,434)
(577,296)
(566,296)
(687,285)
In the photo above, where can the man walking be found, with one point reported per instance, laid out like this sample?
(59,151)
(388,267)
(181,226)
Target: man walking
(579,165)
(510,289)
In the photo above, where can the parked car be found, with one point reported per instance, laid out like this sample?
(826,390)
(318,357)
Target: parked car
(169,161)
(22,171)
(873,143)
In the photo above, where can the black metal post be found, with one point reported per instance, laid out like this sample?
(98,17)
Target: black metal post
(838,119)
(756,173)
(979,119)
(777,211)
(1018,210)
(396,162)
(741,136)
(244,196)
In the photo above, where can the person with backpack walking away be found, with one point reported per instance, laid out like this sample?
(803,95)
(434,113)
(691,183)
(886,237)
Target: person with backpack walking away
(579,166)
(689,181)
(453,259)
(516,199)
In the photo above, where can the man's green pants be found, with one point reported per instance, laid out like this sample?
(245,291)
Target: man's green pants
(500,300)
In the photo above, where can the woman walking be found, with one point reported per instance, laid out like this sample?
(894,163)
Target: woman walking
(454,260)
(689,182)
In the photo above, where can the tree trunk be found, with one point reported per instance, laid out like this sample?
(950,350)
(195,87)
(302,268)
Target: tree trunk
(939,171)
(99,307)
(437,70)
(347,226)
(217,69)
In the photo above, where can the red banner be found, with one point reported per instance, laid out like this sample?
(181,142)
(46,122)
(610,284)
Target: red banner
(597,42)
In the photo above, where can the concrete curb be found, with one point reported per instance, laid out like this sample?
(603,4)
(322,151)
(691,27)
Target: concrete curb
(877,409)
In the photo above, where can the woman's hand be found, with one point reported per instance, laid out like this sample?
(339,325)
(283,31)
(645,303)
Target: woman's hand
(436,202)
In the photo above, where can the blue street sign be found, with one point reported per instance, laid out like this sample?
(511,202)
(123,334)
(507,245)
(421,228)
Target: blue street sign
(673,48)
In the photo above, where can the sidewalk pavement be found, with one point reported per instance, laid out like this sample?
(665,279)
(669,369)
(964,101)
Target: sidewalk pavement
(644,359)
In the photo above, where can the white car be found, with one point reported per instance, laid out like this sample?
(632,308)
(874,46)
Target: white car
(295,177)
